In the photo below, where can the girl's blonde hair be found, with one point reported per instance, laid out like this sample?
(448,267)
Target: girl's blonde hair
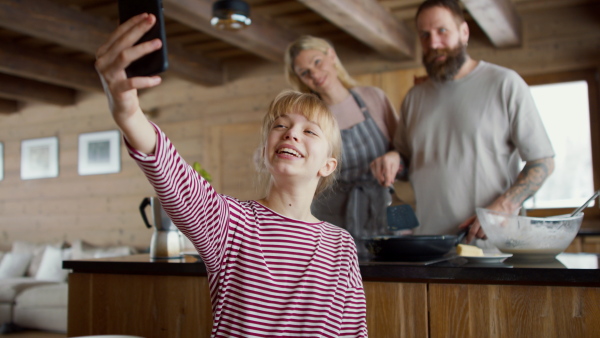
(308,42)
(313,108)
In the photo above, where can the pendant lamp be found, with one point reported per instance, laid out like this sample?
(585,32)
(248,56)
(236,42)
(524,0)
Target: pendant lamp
(230,15)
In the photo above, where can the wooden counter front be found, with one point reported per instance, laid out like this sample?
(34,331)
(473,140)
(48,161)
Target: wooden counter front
(179,306)
(513,311)
(141,305)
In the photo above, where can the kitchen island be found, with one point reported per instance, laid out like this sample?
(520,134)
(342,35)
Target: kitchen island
(452,297)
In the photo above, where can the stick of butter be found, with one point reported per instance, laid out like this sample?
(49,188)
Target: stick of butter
(468,250)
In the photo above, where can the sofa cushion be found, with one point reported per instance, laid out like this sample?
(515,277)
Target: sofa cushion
(5,313)
(49,295)
(51,266)
(11,287)
(36,251)
(43,308)
(14,264)
(45,319)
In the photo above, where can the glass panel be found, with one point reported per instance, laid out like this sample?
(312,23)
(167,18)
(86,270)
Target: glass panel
(564,109)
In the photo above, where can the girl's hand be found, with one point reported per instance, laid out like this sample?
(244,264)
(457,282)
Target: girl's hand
(111,60)
(115,55)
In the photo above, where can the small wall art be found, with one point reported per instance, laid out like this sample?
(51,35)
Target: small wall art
(99,153)
(39,158)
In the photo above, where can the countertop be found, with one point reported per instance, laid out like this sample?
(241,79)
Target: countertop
(566,270)
(588,232)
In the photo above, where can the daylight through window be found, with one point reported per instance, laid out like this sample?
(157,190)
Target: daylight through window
(564,108)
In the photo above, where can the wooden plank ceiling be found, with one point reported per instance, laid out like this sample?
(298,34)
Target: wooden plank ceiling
(48,46)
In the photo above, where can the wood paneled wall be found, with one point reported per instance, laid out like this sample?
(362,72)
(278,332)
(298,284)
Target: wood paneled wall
(219,128)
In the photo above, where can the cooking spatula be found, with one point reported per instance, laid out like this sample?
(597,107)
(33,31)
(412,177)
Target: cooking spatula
(400,216)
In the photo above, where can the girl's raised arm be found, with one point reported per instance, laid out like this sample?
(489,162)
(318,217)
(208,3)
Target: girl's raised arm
(111,60)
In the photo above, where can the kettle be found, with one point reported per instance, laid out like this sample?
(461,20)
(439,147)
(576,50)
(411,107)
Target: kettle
(167,240)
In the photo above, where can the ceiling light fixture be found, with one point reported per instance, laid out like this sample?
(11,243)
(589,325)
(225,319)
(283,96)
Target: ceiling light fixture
(230,15)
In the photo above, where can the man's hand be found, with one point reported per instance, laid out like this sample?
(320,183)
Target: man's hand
(476,231)
(385,168)
(529,181)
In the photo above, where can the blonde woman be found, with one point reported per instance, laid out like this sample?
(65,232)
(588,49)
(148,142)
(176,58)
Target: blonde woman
(367,122)
(274,269)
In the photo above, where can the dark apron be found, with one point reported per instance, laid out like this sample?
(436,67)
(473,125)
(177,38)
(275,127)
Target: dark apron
(357,202)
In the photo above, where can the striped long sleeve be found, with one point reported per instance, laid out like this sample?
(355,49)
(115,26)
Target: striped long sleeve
(269,275)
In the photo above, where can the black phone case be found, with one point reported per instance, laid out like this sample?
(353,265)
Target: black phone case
(157,61)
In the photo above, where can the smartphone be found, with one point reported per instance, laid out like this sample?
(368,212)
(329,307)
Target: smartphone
(157,61)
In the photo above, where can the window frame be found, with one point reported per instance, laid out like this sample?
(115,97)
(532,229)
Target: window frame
(591,76)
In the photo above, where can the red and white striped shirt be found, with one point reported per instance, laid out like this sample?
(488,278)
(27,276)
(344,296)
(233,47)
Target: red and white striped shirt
(269,275)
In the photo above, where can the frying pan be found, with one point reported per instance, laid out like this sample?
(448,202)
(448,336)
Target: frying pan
(412,247)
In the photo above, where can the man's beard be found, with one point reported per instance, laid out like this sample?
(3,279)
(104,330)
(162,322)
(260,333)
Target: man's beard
(446,70)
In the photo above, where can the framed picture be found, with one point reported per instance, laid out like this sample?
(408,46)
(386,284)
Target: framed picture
(1,161)
(39,158)
(99,153)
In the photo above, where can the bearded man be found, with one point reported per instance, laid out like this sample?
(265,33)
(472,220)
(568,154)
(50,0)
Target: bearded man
(462,130)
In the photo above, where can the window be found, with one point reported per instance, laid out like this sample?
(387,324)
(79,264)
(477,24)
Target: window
(568,107)
(564,108)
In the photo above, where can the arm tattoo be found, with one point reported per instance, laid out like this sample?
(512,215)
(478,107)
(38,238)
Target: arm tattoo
(530,180)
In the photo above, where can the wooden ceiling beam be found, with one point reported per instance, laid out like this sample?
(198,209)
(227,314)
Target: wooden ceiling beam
(18,88)
(534,5)
(498,19)
(371,23)
(69,27)
(263,38)
(8,106)
(53,69)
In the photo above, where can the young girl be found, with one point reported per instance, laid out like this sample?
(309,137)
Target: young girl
(273,268)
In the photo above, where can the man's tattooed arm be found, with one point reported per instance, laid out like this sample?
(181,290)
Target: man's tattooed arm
(529,181)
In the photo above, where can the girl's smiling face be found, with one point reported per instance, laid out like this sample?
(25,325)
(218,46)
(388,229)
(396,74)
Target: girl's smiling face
(299,137)
(297,146)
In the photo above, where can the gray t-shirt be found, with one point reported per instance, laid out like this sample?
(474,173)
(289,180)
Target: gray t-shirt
(463,139)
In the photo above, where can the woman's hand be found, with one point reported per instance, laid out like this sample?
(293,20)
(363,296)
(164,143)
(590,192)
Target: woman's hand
(385,168)
(111,60)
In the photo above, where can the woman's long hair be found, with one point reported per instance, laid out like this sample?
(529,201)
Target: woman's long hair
(308,42)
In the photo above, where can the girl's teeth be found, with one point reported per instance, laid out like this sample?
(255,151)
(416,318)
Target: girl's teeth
(289,151)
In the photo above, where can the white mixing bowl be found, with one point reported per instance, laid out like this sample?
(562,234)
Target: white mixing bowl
(529,238)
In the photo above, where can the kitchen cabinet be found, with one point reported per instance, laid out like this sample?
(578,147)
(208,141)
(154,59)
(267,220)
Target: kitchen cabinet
(585,243)
(591,244)
(396,309)
(142,305)
(179,306)
(132,295)
(472,310)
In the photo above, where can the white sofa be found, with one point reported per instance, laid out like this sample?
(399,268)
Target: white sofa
(33,284)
